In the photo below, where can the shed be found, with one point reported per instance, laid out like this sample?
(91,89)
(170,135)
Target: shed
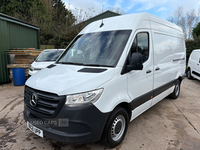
(14,34)
(103,15)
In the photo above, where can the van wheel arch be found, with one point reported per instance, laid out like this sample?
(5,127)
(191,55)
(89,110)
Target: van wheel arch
(180,79)
(127,107)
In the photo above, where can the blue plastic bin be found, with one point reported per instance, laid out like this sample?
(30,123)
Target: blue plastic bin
(18,76)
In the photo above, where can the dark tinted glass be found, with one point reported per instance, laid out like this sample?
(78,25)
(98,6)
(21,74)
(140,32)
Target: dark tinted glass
(143,45)
(140,45)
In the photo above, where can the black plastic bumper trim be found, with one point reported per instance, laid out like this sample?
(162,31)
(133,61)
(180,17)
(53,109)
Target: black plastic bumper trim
(163,88)
(86,124)
(149,95)
(196,73)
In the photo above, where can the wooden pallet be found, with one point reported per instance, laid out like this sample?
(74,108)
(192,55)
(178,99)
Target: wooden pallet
(23,59)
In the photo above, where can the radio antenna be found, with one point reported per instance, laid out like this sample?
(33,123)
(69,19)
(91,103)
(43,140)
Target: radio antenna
(102,19)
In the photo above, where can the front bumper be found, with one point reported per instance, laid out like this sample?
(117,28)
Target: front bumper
(84,124)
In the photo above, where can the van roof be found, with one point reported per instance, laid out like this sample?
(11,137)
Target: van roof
(128,22)
(196,50)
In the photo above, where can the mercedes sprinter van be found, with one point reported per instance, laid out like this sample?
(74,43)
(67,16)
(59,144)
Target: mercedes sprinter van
(114,70)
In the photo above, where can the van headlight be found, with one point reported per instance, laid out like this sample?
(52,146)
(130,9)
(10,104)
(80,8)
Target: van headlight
(31,68)
(83,98)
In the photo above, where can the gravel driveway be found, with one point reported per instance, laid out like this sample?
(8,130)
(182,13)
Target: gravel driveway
(169,125)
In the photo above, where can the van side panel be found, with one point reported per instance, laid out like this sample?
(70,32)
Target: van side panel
(164,26)
(163,63)
(179,58)
(169,57)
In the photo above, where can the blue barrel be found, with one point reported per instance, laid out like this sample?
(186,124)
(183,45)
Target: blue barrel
(18,76)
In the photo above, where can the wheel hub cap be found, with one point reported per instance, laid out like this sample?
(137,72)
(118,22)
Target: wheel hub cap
(118,127)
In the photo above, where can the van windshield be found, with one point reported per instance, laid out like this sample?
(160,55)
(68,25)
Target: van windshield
(49,55)
(96,49)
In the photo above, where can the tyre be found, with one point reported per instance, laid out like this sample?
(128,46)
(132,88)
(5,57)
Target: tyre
(176,91)
(115,128)
(189,73)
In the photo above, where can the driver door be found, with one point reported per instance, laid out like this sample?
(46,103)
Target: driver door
(140,82)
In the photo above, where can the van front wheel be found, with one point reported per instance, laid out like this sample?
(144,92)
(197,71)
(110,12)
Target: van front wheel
(115,128)
(176,91)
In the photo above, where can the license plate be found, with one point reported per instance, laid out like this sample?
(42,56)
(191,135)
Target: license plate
(35,129)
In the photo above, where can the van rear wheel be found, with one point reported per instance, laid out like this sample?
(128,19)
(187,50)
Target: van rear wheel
(115,128)
(176,91)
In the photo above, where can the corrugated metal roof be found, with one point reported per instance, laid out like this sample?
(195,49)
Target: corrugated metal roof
(14,20)
(103,15)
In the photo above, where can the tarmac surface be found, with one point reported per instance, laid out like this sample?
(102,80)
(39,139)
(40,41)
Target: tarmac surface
(169,125)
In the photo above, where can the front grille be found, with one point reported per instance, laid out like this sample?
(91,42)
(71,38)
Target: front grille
(48,104)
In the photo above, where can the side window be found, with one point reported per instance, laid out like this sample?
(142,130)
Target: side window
(134,46)
(141,45)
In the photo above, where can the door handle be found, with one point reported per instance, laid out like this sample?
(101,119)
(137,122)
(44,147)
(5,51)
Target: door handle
(157,69)
(148,71)
(197,64)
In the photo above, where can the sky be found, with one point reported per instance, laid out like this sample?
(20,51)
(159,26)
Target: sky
(160,8)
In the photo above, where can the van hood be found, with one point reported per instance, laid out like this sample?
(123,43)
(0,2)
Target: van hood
(41,65)
(69,79)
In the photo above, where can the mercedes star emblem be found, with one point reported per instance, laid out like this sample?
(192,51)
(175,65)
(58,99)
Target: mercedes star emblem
(34,99)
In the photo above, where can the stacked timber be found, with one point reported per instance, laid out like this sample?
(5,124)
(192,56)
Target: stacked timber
(22,59)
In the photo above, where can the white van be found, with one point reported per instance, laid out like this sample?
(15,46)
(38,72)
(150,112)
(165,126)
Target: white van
(46,58)
(193,69)
(113,71)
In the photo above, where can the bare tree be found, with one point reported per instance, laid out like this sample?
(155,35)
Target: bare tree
(117,9)
(82,15)
(186,20)
(178,18)
(192,20)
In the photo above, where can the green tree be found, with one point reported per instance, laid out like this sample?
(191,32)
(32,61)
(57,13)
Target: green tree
(196,31)
(59,13)
(61,17)
(51,16)
(17,8)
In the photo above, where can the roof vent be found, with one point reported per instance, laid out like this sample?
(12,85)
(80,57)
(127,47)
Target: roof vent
(51,66)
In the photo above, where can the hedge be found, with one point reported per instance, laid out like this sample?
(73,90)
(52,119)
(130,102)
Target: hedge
(190,46)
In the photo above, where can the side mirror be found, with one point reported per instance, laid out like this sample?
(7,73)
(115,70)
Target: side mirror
(136,62)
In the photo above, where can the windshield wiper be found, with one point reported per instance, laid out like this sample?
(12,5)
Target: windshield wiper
(97,65)
(71,63)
